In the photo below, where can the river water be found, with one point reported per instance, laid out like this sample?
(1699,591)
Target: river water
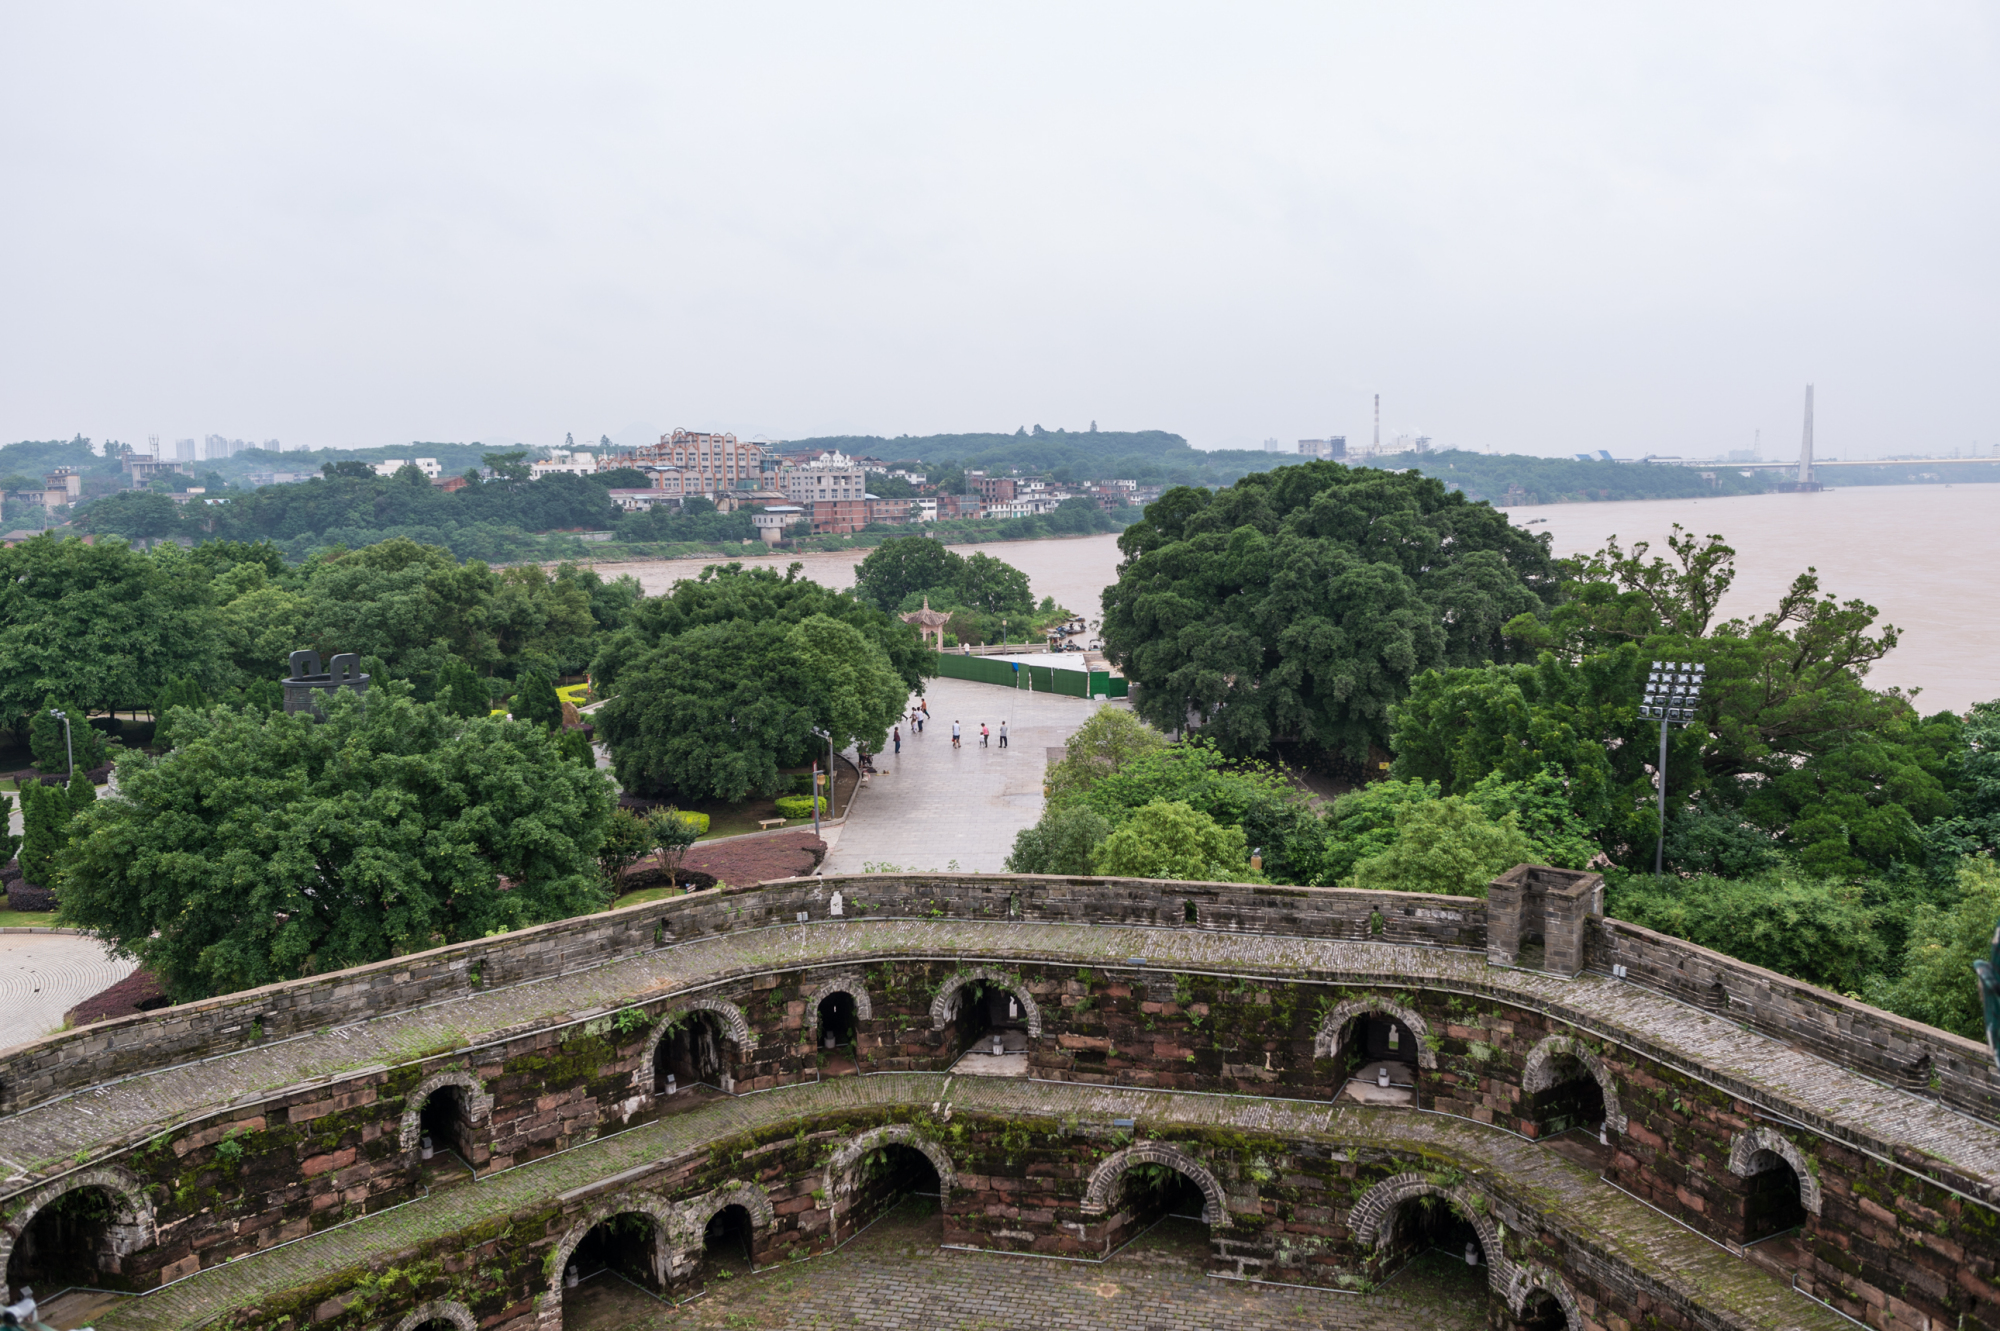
(1919,553)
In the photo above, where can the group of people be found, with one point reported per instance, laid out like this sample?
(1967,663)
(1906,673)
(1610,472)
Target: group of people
(921,714)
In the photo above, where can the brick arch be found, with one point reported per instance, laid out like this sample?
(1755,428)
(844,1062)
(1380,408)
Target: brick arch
(440,1310)
(478,1103)
(1750,1152)
(838,1183)
(941,1004)
(641,1203)
(133,1228)
(1544,1062)
(1382,1201)
(848,983)
(1528,1279)
(734,1025)
(691,1219)
(1327,1042)
(1103,1183)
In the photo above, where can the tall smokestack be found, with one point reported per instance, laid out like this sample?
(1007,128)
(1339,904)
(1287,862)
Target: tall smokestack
(1805,448)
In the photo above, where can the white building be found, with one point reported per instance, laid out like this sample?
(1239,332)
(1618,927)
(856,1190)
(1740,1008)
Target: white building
(923,510)
(428,466)
(817,483)
(640,501)
(578,463)
(771,522)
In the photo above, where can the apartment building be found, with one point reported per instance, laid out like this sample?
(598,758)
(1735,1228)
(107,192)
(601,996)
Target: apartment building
(711,463)
(817,483)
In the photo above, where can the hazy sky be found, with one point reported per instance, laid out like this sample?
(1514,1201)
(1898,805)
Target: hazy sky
(1529,227)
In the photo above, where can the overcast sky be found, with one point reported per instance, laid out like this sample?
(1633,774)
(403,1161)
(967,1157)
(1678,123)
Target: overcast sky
(1529,227)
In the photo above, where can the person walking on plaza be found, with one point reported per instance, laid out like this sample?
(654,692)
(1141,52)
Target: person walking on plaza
(898,734)
(954,734)
(1003,734)
(984,735)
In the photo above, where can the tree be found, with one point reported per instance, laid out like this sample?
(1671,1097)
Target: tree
(576,747)
(1062,842)
(1447,846)
(347,469)
(460,692)
(1298,604)
(100,625)
(714,712)
(1935,986)
(904,566)
(1110,739)
(993,587)
(10,845)
(53,743)
(674,835)
(1362,823)
(45,815)
(179,692)
(1167,839)
(626,841)
(1812,929)
(510,466)
(536,701)
(269,846)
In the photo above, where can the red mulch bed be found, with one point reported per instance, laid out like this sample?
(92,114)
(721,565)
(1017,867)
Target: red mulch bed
(740,861)
(137,992)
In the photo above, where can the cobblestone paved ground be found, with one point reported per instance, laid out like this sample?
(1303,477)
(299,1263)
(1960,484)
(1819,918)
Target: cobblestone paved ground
(43,976)
(936,804)
(895,1276)
(1568,1194)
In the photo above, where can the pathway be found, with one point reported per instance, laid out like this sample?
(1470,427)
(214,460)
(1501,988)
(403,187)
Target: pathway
(935,805)
(1568,1195)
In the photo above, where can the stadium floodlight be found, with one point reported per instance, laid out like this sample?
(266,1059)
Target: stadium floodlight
(1673,692)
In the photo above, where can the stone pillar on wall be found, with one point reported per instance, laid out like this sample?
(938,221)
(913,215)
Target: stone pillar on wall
(1536,917)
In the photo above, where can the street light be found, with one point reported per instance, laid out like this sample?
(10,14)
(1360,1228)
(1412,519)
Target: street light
(69,750)
(1673,689)
(830,811)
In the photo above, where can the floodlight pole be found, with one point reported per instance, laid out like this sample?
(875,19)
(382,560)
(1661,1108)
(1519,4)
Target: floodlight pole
(1660,846)
(1672,690)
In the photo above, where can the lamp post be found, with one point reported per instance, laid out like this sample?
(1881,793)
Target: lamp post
(1673,688)
(831,812)
(69,749)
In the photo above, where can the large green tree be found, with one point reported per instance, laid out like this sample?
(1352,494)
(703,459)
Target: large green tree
(716,711)
(102,625)
(1298,604)
(268,846)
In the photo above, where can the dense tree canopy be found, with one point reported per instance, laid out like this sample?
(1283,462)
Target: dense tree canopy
(721,683)
(1298,604)
(268,846)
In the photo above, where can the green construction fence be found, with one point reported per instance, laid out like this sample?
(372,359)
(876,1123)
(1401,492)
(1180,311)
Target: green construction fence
(1014,674)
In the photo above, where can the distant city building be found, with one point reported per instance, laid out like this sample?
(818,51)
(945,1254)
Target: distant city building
(994,489)
(711,463)
(839,517)
(186,450)
(771,521)
(1273,446)
(562,460)
(428,466)
(1332,448)
(143,467)
(642,501)
(818,482)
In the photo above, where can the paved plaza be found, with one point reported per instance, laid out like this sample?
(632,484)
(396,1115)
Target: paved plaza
(895,1276)
(935,805)
(43,976)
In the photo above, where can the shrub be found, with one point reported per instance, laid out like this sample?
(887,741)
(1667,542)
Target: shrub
(698,821)
(1167,839)
(799,806)
(1062,842)
(23,895)
(1447,846)
(1813,929)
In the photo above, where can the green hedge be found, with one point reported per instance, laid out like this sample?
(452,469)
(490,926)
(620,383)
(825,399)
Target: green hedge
(699,821)
(799,806)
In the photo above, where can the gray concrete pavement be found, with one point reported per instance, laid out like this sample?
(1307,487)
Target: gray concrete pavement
(935,804)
